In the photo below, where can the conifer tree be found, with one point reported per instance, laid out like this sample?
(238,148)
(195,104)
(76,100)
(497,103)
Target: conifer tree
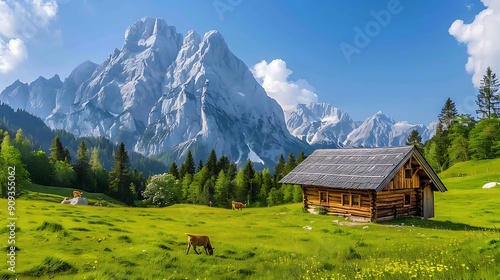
(488,100)
(290,164)
(267,184)
(212,164)
(173,170)
(67,155)
(222,187)
(442,144)
(448,113)
(100,174)
(56,150)
(119,177)
(301,157)
(414,139)
(200,166)
(189,163)
(186,184)
(279,169)
(249,175)
(138,182)
(84,176)
(240,188)
(223,164)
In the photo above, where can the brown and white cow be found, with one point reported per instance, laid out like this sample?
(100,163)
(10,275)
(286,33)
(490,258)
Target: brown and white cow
(199,240)
(77,194)
(238,205)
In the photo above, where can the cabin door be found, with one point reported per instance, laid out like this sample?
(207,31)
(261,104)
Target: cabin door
(428,203)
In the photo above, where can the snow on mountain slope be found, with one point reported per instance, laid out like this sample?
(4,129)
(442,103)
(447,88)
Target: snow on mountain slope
(319,124)
(114,102)
(380,130)
(211,100)
(65,96)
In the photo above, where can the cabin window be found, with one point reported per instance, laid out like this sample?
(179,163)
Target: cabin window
(355,200)
(346,200)
(407,199)
(323,197)
(408,173)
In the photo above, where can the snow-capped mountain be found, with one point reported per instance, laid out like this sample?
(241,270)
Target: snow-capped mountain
(380,131)
(211,100)
(163,93)
(323,125)
(319,124)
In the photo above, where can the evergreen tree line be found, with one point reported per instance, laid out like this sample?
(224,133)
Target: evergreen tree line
(218,182)
(461,137)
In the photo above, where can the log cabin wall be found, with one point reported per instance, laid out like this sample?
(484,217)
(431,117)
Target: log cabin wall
(339,202)
(406,178)
(399,203)
(402,197)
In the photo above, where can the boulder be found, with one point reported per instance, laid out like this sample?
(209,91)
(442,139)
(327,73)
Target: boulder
(76,200)
(491,185)
(79,200)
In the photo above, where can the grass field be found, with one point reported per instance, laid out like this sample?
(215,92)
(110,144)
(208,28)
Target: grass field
(89,242)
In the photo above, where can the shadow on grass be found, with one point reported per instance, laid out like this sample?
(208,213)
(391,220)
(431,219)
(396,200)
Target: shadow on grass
(433,224)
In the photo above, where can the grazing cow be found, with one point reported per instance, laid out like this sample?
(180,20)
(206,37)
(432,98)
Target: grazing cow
(199,240)
(77,194)
(238,205)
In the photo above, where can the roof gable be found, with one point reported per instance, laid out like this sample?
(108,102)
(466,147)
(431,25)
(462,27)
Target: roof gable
(357,168)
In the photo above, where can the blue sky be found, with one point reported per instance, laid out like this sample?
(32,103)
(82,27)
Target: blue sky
(406,67)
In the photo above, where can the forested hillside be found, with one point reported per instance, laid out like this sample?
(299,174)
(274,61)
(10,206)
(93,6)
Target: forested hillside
(41,137)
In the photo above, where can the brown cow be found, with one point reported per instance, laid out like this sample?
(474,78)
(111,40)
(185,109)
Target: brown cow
(199,240)
(238,205)
(77,194)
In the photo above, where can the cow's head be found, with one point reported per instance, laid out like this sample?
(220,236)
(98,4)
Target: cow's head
(210,251)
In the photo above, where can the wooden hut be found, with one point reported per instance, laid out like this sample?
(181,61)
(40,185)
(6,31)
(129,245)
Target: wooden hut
(371,183)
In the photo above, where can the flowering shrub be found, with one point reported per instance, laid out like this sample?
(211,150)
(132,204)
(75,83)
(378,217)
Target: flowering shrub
(163,190)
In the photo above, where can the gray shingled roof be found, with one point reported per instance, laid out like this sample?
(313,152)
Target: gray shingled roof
(358,168)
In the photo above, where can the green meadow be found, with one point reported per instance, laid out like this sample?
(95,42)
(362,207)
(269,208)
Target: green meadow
(56,241)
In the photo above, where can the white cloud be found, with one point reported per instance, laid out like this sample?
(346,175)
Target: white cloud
(11,54)
(45,10)
(482,38)
(274,79)
(19,23)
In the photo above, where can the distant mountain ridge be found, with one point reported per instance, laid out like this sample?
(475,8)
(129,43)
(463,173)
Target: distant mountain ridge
(322,125)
